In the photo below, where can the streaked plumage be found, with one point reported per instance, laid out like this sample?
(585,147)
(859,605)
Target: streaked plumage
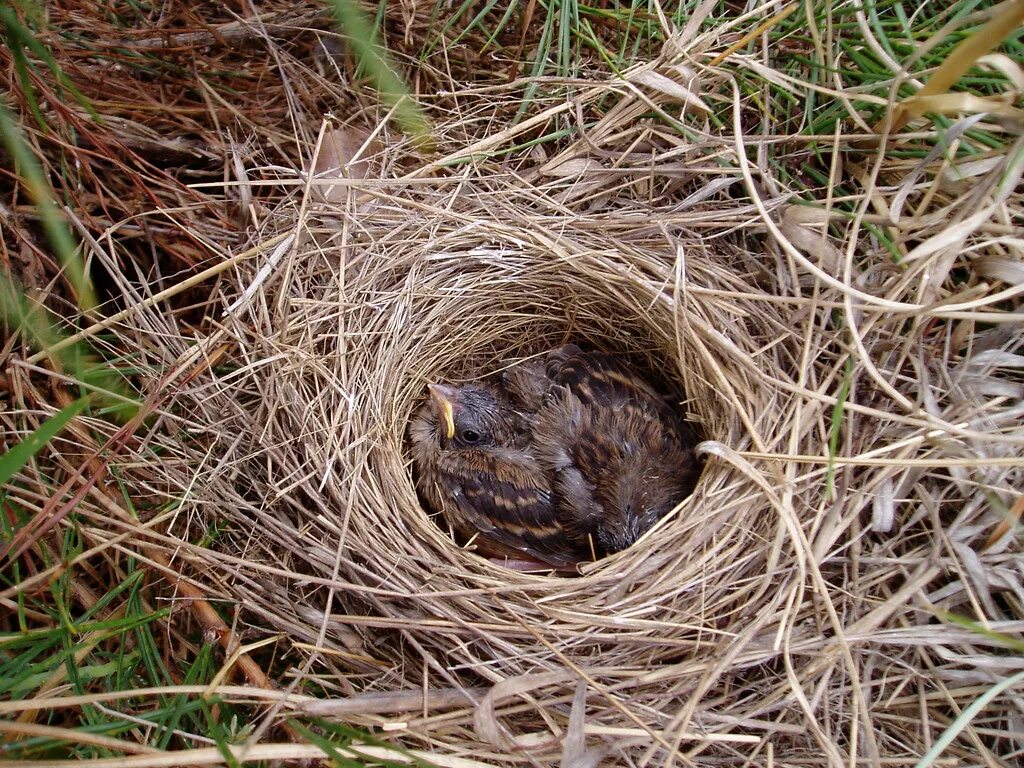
(619,456)
(570,456)
(474,466)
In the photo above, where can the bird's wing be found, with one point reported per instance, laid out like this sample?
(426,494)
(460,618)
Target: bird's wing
(599,379)
(566,444)
(609,464)
(514,508)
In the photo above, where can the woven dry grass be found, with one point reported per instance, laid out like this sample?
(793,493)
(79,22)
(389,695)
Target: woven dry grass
(788,612)
(775,612)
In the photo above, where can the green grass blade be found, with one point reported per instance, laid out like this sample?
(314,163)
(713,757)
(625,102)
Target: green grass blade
(12,461)
(1008,641)
(19,36)
(835,428)
(371,56)
(965,718)
(94,375)
(53,222)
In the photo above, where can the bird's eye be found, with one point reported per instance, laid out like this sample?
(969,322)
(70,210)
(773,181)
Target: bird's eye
(470,436)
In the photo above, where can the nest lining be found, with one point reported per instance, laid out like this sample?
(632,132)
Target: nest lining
(313,429)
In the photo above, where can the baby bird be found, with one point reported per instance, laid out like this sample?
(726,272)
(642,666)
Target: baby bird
(570,457)
(619,457)
(472,451)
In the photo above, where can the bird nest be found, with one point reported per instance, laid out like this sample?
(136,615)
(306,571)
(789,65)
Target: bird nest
(780,609)
(311,436)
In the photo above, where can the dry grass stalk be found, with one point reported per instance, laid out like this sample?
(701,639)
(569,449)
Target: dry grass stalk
(763,611)
(787,609)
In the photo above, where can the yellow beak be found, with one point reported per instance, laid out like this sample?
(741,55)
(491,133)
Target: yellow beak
(444,398)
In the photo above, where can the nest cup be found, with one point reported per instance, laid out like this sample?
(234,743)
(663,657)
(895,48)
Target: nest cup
(503,312)
(464,314)
(340,345)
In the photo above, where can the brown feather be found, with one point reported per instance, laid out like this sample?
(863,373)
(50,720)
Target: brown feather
(493,487)
(621,459)
(572,454)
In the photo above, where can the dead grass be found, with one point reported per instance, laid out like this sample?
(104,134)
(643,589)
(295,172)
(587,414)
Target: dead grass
(851,352)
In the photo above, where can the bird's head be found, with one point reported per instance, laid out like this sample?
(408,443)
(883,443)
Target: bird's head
(621,531)
(469,417)
(636,502)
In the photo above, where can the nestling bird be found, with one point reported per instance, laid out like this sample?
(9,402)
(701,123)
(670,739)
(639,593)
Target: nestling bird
(619,457)
(474,465)
(569,457)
